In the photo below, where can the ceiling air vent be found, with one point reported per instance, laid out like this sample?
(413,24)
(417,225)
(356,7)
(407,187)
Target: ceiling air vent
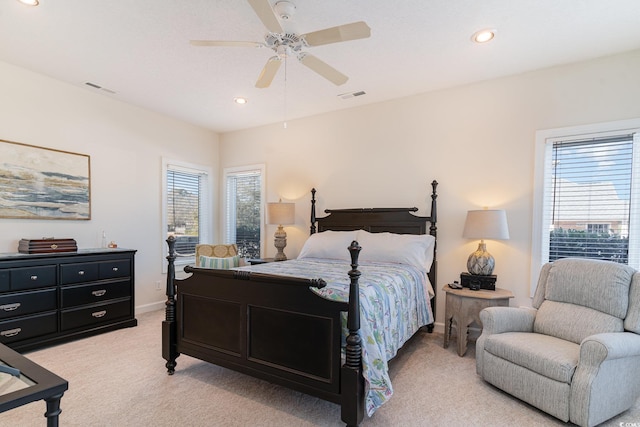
(352,94)
(95,86)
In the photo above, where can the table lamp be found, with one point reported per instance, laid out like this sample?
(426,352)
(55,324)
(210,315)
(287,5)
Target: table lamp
(278,214)
(484,224)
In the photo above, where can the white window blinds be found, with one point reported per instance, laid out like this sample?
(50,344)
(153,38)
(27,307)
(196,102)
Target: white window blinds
(243,201)
(186,208)
(588,205)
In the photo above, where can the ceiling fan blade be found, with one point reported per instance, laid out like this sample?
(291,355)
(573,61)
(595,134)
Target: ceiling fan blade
(324,69)
(262,8)
(341,33)
(225,43)
(268,72)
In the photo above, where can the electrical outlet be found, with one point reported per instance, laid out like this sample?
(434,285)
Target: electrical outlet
(158,285)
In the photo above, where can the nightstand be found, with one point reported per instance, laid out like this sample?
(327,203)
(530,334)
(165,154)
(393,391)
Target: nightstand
(256,261)
(463,306)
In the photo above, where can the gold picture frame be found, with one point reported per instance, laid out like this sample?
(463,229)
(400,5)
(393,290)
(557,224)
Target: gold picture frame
(43,183)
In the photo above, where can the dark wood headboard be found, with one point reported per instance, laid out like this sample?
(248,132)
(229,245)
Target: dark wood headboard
(378,220)
(374,220)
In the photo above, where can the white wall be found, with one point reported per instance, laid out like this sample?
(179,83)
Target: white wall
(125,145)
(476,140)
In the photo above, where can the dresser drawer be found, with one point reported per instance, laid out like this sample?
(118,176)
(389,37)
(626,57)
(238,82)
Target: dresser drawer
(5,280)
(41,276)
(78,273)
(115,268)
(94,315)
(72,296)
(19,304)
(28,327)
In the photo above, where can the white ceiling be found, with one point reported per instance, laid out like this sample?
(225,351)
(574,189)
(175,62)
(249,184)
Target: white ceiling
(140,49)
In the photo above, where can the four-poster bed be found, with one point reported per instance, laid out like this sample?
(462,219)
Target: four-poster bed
(279,327)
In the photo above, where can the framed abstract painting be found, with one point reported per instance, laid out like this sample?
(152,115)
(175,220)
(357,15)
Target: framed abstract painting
(43,183)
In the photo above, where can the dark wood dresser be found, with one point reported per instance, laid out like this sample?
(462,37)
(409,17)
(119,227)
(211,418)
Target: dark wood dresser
(47,299)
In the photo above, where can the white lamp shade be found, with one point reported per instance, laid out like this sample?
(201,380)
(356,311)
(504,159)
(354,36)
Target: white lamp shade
(486,224)
(281,213)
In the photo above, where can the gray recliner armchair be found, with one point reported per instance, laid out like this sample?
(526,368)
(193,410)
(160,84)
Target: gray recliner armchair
(576,353)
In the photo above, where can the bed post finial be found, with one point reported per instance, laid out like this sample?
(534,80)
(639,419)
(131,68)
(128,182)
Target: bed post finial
(169,337)
(353,322)
(313,211)
(351,375)
(434,212)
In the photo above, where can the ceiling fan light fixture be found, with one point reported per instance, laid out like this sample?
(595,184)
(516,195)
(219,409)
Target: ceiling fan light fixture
(240,100)
(484,35)
(30,2)
(285,10)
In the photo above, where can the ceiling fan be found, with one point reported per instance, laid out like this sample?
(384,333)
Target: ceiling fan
(291,44)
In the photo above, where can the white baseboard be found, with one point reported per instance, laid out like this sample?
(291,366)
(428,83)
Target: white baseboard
(438,327)
(150,307)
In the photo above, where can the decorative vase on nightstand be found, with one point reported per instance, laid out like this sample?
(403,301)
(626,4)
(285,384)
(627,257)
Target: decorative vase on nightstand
(481,262)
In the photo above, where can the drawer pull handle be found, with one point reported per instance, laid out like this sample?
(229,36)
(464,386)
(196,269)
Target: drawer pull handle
(81,272)
(34,277)
(10,307)
(98,314)
(99,292)
(115,268)
(11,332)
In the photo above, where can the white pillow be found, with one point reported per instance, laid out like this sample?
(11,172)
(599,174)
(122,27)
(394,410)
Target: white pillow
(328,244)
(412,249)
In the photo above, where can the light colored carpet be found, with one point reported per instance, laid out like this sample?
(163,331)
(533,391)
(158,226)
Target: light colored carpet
(119,379)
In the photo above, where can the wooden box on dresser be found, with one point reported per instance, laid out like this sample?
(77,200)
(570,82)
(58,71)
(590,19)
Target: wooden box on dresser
(47,299)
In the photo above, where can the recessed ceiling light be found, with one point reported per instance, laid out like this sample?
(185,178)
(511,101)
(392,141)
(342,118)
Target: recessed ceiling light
(240,100)
(30,2)
(484,36)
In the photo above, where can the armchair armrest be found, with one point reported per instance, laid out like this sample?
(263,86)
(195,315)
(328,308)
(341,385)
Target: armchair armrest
(496,320)
(607,361)
(608,346)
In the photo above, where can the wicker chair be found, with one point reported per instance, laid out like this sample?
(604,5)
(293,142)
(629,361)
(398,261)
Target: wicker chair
(216,251)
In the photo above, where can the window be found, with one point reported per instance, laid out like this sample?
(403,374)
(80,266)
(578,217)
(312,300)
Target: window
(589,181)
(186,201)
(598,228)
(587,196)
(244,188)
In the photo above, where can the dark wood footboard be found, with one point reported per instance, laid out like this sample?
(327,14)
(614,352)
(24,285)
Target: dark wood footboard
(269,327)
(276,328)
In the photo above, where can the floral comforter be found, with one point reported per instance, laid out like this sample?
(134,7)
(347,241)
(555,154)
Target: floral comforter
(394,303)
